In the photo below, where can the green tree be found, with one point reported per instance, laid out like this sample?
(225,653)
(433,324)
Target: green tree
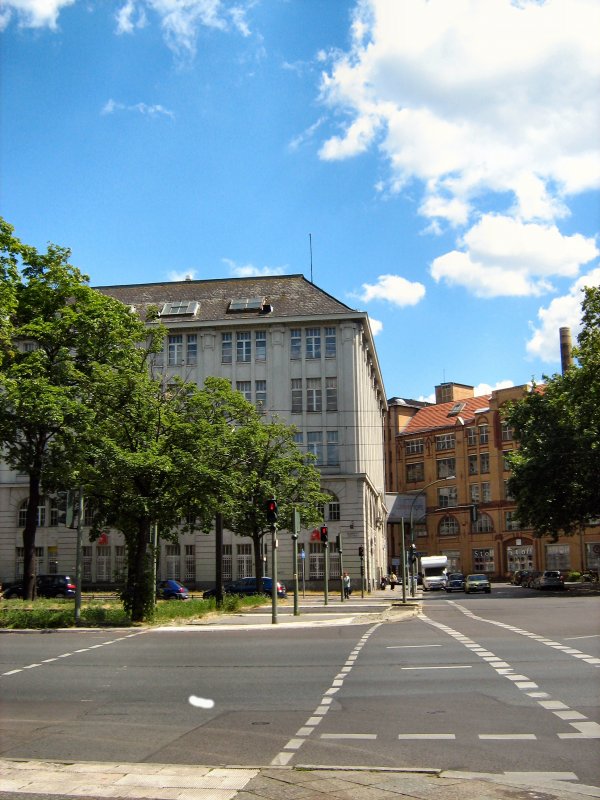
(55,330)
(274,467)
(557,425)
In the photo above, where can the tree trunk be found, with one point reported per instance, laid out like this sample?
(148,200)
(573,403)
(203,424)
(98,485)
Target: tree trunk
(29,532)
(139,593)
(219,559)
(258,558)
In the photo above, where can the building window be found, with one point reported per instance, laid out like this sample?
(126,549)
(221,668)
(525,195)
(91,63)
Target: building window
(330,343)
(483,560)
(507,432)
(447,496)
(313,342)
(295,343)
(245,567)
(505,460)
(192,349)
(103,570)
(484,434)
(41,514)
(474,494)
(453,557)
(226,348)
(227,562)
(484,524)
(445,441)
(415,472)
(299,439)
(414,446)
(512,521)
(473,465)
(120,563)
(484,463)
(190,562)
(446,467)
(175,351)
(260,345)
(486,494)
(313,395)
(333,455)
(449,526)
(260,394)
(471,436)
(331,394)
(333,511)
(314,445)
(245,388)
(86,563)
(507,494)
(296,395)
(316,561)
(243,352)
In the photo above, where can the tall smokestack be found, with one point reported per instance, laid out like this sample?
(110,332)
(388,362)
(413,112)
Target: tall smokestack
(566,357)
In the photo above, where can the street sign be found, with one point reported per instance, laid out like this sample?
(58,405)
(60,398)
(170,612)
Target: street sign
(302,554)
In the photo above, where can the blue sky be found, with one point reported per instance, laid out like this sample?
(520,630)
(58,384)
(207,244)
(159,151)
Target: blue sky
(443,156)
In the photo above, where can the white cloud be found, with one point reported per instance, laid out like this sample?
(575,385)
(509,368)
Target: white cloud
(471,97)
(376,326)
(32,13)
(129,17)
(502,256)
(563,312)
(250,271)
(188,275)
(394,289)
(156,110)
(485,388)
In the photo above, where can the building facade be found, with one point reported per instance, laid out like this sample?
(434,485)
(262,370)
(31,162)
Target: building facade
(294,351)
(451,457)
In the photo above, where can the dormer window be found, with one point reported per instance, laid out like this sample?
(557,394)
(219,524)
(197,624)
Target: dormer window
(456,409)
(246,304)
(179,308)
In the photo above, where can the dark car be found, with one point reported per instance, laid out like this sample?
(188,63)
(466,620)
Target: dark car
(530,579)
(46,586)
(247,586)
(549,579)
(455,582)
(172,590)
(521,576)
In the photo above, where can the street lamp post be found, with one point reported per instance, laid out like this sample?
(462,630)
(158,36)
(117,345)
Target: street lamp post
(412,529)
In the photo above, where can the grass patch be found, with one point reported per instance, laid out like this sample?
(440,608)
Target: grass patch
(56,613)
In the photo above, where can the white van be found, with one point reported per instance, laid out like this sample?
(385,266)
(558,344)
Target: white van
(434,570)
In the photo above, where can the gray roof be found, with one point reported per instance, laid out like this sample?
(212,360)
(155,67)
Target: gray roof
(288,295)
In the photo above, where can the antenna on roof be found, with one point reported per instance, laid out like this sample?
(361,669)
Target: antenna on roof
(310,245)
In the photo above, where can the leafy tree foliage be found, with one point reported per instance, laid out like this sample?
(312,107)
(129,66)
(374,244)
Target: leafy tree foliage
(555,471)
(55,330)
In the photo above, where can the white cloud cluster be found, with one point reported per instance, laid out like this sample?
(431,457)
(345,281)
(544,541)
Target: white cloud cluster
(562,312)
(394,289)
(188,275)
(32,13)
(156,110)
(250,271)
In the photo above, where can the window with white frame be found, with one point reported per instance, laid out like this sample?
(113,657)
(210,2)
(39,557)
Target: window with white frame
(244,561)
(312,339)
(41,514)
(474,493)
(473,464)
(314,445)
(316,561)
(486,492)
(507,432)
(299,439)
(484,523)
(447,496)
(20,561)
(173,561)
(243,341)
(453,557)
(227,562)
(245,388)
(191,356)
(333,510)
(52,559)
(558,556)
(484,434)
(226,348)
(296,395)
(190,562)
(260,394)
(446,467)
(448,526)
(314,400)
(483,560)
(175,350)
(512,522)
(330,343)
(484,463)
(120,563)
(260,345)
(445,441)
(415,472)
(295,343)
(333,453)
(86,563)
(472,436)
(413,446)
(507,494)
(103,570)
(331,394)
(506,466)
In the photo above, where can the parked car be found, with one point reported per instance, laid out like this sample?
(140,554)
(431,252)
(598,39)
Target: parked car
(247,586)
(549,579)
(46,586)
(455,582)
(172,590)
(529,580)
(477,583)
(521,576)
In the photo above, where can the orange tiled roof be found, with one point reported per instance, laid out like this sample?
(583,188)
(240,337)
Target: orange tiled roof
(436,416)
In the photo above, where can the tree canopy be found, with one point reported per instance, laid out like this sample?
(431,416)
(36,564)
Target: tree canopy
(556,470)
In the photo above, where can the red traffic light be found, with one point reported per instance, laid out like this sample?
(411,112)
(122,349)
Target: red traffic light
(271,510)
(324,535)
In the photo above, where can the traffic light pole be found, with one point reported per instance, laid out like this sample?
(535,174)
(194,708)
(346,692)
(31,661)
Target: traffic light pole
(295,531)
(404,575)
(340,551)
(79,558)
(326,586)
(274,575)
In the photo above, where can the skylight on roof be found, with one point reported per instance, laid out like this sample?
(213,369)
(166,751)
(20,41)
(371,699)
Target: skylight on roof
(178,307)
(456,409)
(246,304)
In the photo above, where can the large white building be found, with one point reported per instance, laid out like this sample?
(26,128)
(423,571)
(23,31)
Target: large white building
(294,351)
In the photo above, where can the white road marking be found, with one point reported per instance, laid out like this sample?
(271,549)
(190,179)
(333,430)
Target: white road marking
(200,702)
(348,736)
(507,736)
(453,666)
(419,736)
(410,646)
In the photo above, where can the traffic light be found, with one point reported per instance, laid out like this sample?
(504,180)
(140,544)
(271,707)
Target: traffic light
(413,553)
(65,506)
(324,534)
(271,510)
(474,513)
(338,543)
(361,551)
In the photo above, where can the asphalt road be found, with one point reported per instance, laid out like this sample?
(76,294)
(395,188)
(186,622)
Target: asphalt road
(506,682)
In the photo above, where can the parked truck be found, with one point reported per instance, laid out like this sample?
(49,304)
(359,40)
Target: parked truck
(434,570)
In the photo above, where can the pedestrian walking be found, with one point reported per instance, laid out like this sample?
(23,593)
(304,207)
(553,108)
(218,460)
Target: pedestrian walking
(393,580)
(347,585)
